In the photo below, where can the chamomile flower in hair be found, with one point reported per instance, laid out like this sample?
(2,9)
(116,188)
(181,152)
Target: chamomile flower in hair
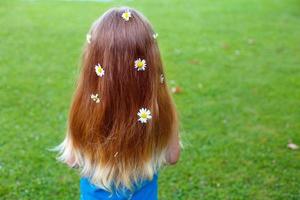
(95,97)
(155,35)
(126,15)
(162,78)
(144,115)
(99,70)
(88,38)
(140,64)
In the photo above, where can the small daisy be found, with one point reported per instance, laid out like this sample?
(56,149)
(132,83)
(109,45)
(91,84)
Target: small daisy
(126,15)
(99,70)
(144,115)
(95,97)
(88,38)
(155,35)
(162,78)
(140,64)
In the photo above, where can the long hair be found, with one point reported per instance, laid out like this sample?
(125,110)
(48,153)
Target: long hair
(105,138)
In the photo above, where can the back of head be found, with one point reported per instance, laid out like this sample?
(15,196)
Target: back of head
(106,136)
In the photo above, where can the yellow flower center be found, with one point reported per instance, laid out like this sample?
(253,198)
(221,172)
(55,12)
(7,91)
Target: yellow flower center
(144,115)
(100,70)
(126,15)
(140,64)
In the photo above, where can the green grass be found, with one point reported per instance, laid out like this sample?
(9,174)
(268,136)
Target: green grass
(237,61)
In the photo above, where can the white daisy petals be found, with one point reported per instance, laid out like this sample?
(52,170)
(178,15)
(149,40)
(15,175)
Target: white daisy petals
(144,115)
(126,15)
(162,78)
(140,64)
(88,38)
(155,35)
(95,97)
(99,70)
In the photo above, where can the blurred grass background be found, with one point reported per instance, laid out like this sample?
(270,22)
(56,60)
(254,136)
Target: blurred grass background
(237,62)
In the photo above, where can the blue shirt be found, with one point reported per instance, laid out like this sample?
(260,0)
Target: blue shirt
(147,190)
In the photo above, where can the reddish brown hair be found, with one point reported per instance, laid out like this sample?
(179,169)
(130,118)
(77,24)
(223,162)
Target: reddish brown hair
(106,139)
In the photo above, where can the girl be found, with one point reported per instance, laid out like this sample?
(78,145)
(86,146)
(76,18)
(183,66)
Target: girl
(122,124)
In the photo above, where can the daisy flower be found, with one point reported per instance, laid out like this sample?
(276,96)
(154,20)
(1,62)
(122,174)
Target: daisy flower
(144,115)
(88,38)
(162,78)
(140,64)
(155,35)
(95,97)
(126,15)
(99,70)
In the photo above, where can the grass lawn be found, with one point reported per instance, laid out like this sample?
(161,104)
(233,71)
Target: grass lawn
(237,62)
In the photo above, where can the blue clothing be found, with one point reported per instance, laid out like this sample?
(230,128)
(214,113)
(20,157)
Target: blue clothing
(147,190)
